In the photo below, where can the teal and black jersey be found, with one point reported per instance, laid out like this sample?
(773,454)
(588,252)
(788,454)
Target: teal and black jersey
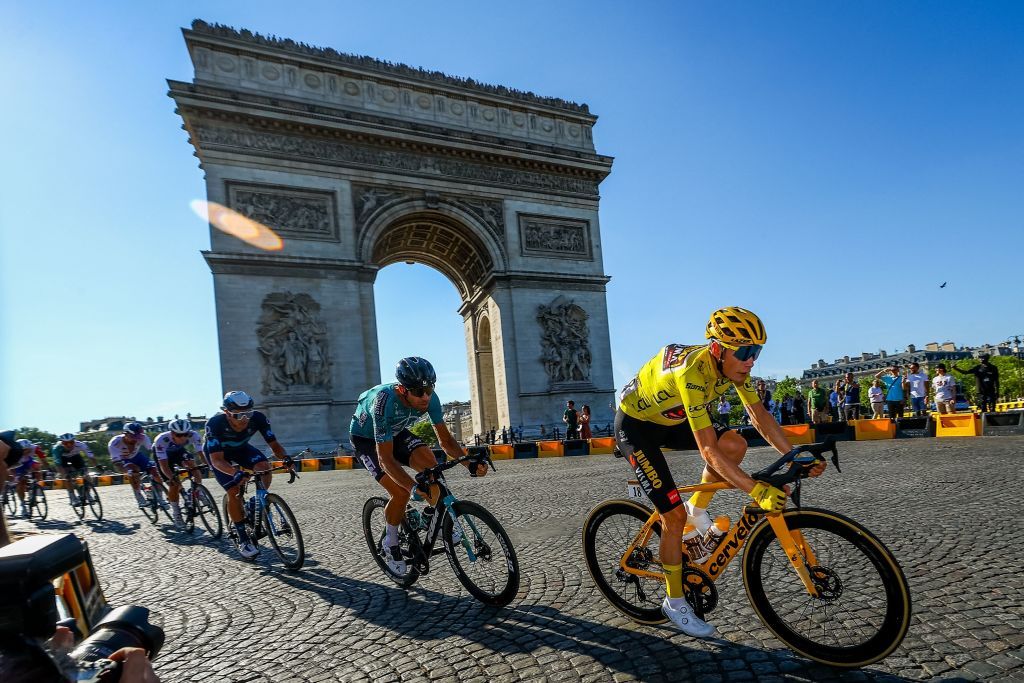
(380,414)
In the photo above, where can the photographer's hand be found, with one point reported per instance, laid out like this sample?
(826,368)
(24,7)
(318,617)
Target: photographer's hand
(137,667)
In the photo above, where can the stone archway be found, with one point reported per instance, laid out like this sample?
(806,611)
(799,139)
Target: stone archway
(357,163)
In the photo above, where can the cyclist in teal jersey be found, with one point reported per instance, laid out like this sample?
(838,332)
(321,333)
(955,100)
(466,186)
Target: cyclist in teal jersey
(381,438)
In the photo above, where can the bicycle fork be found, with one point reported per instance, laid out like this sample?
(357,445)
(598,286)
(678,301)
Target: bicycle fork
(799,553)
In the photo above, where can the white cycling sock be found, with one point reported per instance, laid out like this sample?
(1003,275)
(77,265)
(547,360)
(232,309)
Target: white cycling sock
(175,508)
(698,517)
(391,534)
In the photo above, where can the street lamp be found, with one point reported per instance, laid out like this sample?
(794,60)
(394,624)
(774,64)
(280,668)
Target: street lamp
(1018,352)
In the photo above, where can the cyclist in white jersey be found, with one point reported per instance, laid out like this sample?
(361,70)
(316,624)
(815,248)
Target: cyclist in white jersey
(125,454)
(170,449)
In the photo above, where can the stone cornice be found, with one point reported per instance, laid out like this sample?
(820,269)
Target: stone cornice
(241,39)
(293,142)
(203,96)
(237,263)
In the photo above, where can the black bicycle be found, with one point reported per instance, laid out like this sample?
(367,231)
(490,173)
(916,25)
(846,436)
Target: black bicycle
(84,494)
(36,499)
(267,515)
(478,549)
(154,495)
(10,497)
(197,501)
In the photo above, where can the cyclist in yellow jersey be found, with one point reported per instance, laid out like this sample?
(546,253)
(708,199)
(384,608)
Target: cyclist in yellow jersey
(666,406)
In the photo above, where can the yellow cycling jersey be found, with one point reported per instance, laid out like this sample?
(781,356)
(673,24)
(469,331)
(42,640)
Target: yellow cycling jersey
(677,385)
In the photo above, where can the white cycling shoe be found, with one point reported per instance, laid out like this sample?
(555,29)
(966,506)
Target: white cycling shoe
(686,621)
(456,534)
(248,550)
(393,557)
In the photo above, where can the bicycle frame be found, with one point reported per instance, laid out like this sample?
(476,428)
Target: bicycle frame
(445,501)
(261,495)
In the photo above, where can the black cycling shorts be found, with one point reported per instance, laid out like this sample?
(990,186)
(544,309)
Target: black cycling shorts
(405,442)
(640,443)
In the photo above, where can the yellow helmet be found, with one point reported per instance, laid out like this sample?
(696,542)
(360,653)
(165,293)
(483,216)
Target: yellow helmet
(734,327)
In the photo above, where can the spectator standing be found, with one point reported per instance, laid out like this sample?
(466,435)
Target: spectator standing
(851,398)
(764,395)
(918,381)
(723,411)
(895,390)
(571,419)
(787,410)
(585,432)
(818,402)
(987,376)
(799,409)
(876,396)
(944,388)
(835,400)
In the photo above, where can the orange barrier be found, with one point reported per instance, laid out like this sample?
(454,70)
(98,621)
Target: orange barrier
(869,430)
(105,480)
(604,445)
(502,451)
(58,483)
(344,462)
(957,424)
(550,449)
(798,434)
(311,465)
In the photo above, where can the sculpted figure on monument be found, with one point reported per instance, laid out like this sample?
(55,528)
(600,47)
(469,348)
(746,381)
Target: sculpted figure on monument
(565,345)
(293,344)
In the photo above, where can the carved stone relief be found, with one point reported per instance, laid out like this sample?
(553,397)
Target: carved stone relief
(293,344)
(558,237)
(565,341)
(298,147)
(368,200)
(290,212)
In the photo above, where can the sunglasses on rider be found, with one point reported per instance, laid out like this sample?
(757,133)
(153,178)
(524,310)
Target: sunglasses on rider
(241,414)
(750,352)
(420,392)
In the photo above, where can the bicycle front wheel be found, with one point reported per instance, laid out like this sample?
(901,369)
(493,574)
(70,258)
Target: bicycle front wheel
(151,507)
(10,500)
(862,610)
(206,507)
(609,530)
(283,531)
(93,499)
(374,525)
(77,505)
(480,553)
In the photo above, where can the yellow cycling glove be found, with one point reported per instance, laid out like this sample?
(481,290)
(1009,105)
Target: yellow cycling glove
(769,498)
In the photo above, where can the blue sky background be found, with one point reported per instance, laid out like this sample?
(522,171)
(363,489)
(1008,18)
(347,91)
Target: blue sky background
(827,165)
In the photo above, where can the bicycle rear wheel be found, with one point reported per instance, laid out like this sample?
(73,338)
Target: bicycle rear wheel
(373,530)
(484,560)
(610,529)
(93,498)
(10,501)
(78,491)
(862,611)
(39,505)
(283,532)
(150,509)
(207,510)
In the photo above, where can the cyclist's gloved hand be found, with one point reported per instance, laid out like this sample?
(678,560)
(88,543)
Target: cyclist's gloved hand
(768,498)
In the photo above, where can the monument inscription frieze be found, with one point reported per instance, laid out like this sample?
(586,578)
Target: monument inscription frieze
(303,148)
(291,212)
(369,200)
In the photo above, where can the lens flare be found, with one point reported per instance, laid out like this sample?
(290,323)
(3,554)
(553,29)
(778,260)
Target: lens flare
(235,224)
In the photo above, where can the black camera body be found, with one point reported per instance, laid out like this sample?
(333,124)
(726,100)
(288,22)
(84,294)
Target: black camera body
(29,606)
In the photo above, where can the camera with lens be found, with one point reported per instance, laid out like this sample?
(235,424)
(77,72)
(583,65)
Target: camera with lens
(31,610)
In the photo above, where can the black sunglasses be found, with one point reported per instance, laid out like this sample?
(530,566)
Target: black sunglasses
(420,392)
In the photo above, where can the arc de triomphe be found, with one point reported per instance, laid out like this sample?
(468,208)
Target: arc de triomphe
(357,164)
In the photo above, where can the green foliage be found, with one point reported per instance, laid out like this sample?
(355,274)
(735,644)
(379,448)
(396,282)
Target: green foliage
(98,445)
(44,440)
(785,387)
(1011,377)
(425,431)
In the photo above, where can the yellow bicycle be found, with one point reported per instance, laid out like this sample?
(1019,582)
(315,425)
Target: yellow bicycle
(821,582)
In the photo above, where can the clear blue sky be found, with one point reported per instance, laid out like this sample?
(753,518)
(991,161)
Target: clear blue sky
(827,165)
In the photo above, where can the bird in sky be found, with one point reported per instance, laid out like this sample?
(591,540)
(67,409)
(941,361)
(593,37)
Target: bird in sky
(942,285)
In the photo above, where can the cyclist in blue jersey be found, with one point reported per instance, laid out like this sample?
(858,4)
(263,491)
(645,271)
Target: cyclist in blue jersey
(227,445)
(381,438)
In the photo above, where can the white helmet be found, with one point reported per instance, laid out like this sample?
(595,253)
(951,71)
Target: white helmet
(67,436)
(180,426)
(26,444)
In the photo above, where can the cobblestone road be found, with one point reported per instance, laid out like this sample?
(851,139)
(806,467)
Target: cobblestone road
(949,509)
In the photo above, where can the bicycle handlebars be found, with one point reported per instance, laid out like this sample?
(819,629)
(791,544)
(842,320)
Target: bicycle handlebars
(428,475)
(799,467)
